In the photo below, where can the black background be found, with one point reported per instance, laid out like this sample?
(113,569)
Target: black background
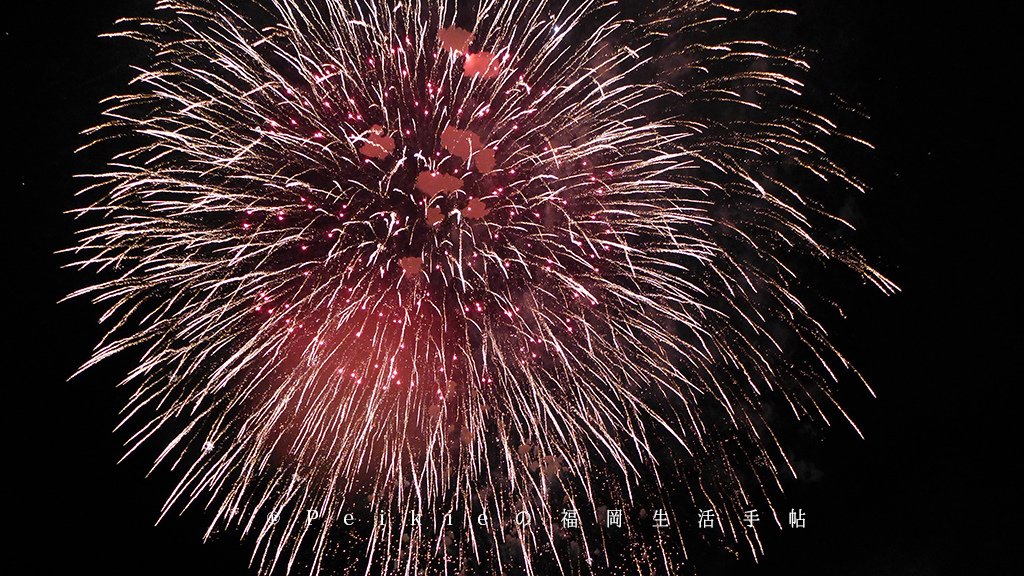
(929,491)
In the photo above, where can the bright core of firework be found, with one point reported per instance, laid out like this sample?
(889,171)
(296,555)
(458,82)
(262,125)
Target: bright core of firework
(419,259)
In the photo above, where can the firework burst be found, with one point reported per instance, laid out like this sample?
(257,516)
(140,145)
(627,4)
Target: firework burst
(454,270)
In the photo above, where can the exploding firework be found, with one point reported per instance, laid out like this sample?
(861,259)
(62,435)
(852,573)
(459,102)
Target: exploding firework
(407,282)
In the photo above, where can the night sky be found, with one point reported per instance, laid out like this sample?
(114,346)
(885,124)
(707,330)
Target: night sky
(929,491)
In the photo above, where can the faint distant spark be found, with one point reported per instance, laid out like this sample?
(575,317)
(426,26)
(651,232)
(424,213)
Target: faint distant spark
(420,259)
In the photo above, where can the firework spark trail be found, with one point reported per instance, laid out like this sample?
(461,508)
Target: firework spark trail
(416,259)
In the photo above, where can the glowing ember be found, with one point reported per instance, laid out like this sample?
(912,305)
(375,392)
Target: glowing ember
(483,64)
(455,39)
(379,146)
